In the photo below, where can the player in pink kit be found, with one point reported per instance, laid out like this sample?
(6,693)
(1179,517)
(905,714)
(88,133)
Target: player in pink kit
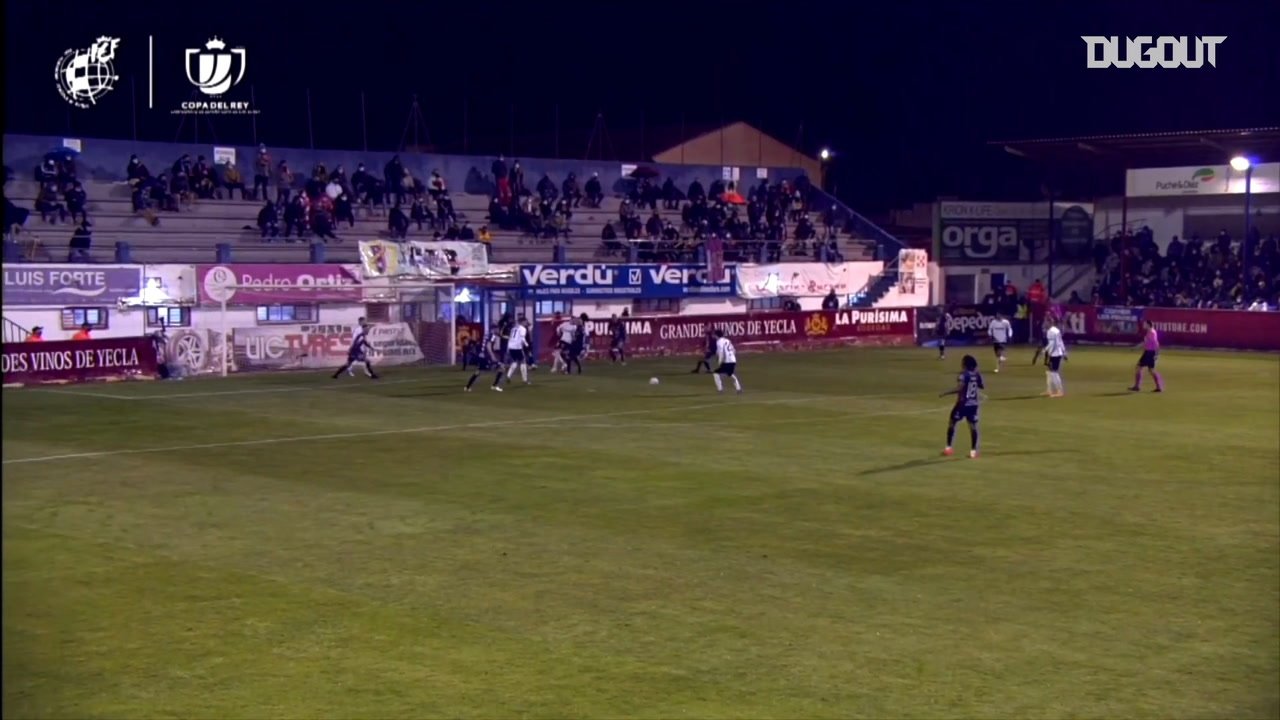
(1150,352)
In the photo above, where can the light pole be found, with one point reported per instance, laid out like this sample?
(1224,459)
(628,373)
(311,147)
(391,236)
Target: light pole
(824,155)
(1240,163)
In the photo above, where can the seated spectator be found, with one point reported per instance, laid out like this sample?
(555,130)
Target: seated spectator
(232,181)
(570,191)
(81,241)
(361,183)
(339,175)
(47,172)
(77,201)
(1075,299)
(418,213)
(333,189)
(594,192)
(465,232)
(444,210)
(696,193)
(398,223)
(322,221)
(670,195)
(136,171)
(451,233)
(269,220)
(47,203)
(547,188)
(295,216)
(653,228)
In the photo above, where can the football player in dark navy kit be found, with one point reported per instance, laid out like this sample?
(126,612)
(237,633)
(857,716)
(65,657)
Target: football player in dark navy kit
(486,360)
(707,353)
(359,353)
(940,331)
(968,398)
(617,340)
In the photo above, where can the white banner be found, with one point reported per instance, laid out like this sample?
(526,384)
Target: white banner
(290,347)
(1201,180)
(447,258)
(804,279)
(913,272)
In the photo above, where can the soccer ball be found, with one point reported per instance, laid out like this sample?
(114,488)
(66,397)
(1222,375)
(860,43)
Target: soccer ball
(653,381)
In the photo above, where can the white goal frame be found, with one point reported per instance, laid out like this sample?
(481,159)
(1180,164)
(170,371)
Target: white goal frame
(397,293)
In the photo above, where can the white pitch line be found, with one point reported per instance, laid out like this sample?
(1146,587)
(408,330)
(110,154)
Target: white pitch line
(408,431)
(216,393)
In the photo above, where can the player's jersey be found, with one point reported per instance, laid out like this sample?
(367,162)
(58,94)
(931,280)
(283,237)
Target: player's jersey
(725,351)
(1001,331)
(566,331)
(519,338)
(1053,345)
(970,384)
(711,345)
(579,336)
(493,347)
(1151,342)
(359,344)
(618,330)
(944,323)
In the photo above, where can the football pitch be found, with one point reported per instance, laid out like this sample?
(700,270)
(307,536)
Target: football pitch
(596,546)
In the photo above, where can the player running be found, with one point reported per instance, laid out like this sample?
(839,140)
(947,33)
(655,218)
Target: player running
(358,353)
(565,333)
(488,359)
(728,363)
(968,398)
(573,354)
(1001,332)
(517,349)
(1150,353)
(617,340)
(707,354)
(1055,351)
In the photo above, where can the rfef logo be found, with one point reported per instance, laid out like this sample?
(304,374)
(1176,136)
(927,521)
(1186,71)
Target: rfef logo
(1144,51)
(86,74)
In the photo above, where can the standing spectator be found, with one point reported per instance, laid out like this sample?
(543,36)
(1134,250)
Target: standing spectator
(398,224)
(84,333)
(570,190)
(361,183)
(436,186)
(47,203)
(670,195)
(1038,300)
(343,211)
(393,174)
(261,171)
(284,184)
(831,301)
(517,180)
(418,213)
(501,179)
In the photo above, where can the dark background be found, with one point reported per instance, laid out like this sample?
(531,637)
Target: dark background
(905,93)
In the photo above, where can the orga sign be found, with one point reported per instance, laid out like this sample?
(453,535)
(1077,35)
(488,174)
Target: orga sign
(276,284)
(996,233)
(1202,180)
(774,330)
(78,360)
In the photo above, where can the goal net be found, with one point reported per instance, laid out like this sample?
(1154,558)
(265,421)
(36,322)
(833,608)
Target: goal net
(256,328)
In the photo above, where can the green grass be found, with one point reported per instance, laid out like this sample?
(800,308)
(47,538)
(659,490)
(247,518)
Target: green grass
(597,547)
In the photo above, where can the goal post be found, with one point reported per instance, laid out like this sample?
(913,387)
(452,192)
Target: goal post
(256,328)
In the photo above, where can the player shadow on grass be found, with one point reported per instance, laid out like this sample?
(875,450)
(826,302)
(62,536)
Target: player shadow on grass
(923,462)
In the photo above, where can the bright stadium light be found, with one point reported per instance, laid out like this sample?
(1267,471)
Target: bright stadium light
(825,154)
(1240,163)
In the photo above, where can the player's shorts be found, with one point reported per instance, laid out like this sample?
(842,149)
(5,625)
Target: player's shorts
(563,347)
(517,356)
(484,364)
(574,350)
(727,369)
(1148,359)
(999,348)
(963,412)
(357,356)
(1055,362)
(708,354)
(617,343)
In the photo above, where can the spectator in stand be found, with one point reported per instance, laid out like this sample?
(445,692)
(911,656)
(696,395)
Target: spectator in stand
(202,180)
(322,219)
(653,227)
(343,211)
(501,179)
(293,217)
(47,203)
(418,213)
(37,335)
(570,191)
(85,332)
(1075,299)
(466,233)
(831,301)
(284,184)
(436,186)
(444,211)
(232,181)
(398,224)
(77,199)
(670,195)
(81,241)
(180,180)
(333,189)
(136,171)
(393,174)
(261,172)
(517,185)
(339,175)
(594,191)
(269,220)
(361,183)
(547,188)
(161,198)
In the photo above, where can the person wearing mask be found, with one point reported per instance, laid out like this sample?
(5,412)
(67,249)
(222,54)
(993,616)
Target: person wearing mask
(81,241)
(261,172)
(36,335)
(83,333)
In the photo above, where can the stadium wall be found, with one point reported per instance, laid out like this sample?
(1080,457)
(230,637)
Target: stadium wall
(105,160)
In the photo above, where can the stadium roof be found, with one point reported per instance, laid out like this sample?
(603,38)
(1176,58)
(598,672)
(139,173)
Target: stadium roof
(1161,149)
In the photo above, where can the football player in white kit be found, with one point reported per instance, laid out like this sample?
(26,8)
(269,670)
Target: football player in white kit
(518,350)
(1055,351)
(728,362)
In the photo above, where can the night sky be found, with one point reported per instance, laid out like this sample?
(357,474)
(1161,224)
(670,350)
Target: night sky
(907,93)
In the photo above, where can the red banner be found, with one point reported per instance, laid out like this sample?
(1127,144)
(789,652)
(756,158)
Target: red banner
(78,360)
(1229,329)
(676,334)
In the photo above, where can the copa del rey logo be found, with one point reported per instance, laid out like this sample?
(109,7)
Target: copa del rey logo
(214,70)
(1145,51)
